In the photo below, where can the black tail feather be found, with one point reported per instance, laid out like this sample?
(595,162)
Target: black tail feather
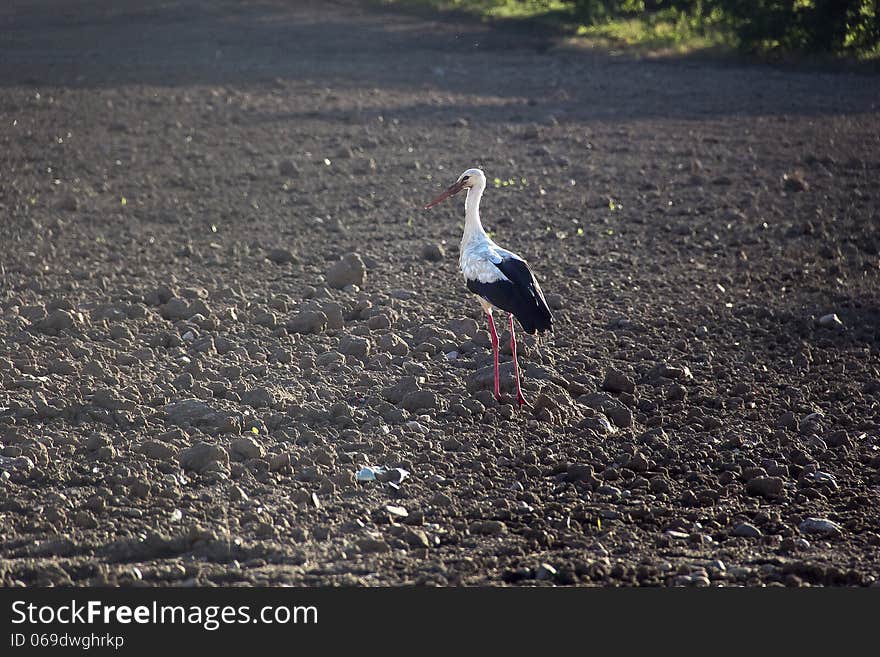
(520,295)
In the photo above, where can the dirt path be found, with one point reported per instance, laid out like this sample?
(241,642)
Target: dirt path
(178,181)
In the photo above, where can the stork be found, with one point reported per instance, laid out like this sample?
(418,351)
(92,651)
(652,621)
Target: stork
(500,278)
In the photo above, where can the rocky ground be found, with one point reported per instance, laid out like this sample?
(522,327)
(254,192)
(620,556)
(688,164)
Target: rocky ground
(221,302)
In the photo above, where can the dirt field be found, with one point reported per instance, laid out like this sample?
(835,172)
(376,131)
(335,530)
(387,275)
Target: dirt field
(189,383)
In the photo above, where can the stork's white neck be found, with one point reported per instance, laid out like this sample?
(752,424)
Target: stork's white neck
(472,226)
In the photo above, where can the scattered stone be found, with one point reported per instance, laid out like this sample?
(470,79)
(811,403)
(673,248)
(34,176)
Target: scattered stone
(259,397)
(794,182)
(56,321)
(433,252)
(160,451)
(667,371)
(821,526)
(484,378)
(419,400)
(767,487)
(281,256)
(370,545)
(401,389)
(335,317)
(288,168)
(619,414)
(68,202)
(464,329)
(266,318)
(545,572)
(746,530)
(236,494)
(392,344)
(554,300)
(84,519)
(441,499)
(830,321)
(350,270)
(660,484)
(353,345)
(638,463)
(21,464)
(488,527)
(531,132)
(415,538)
(246,448)
(617,381)
(176,309)
(379,322)
(279,462)
(194,412)
(139,488)
(580,472)
(307,321)
(788,420)
(203,457)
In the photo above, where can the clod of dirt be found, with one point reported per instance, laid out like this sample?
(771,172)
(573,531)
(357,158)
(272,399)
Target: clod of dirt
(259,397)
(582,472)
(379,322)
(176,309)
(281,256)
(307,321)
(194,412)
(433,252)
(246,448)
(370,545)
(288,168)
(349,270)
(159,451)
(788,420)
(488,527)
(203,457)
(419,400)
(746,530)
(769,487)
(484,378)
(352,345)
(279,462)
(401,389)
(794,182)
(617,381)
(56,321)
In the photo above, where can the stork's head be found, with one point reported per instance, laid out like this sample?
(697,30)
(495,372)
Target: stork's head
(470,178)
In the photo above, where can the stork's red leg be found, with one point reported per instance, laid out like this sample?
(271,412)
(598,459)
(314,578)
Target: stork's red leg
(519,396)
(495,353)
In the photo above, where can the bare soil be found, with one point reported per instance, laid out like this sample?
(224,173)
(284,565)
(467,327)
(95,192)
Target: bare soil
(186,396)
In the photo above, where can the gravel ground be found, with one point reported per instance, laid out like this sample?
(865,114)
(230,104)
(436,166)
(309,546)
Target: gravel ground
(221,301)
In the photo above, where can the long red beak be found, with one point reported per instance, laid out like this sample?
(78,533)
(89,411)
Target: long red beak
(452,191)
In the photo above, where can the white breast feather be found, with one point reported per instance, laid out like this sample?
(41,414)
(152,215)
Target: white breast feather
(478,259)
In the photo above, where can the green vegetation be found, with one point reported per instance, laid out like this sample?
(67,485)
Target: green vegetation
(848,28)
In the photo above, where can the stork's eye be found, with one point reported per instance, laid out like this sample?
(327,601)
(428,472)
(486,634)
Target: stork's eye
(465,178)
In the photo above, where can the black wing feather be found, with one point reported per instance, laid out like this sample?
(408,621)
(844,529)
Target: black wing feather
(520,295)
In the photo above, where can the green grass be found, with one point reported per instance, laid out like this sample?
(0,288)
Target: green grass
(662,33)
(665,32)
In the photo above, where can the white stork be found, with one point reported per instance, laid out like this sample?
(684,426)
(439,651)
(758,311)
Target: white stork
(501,278)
